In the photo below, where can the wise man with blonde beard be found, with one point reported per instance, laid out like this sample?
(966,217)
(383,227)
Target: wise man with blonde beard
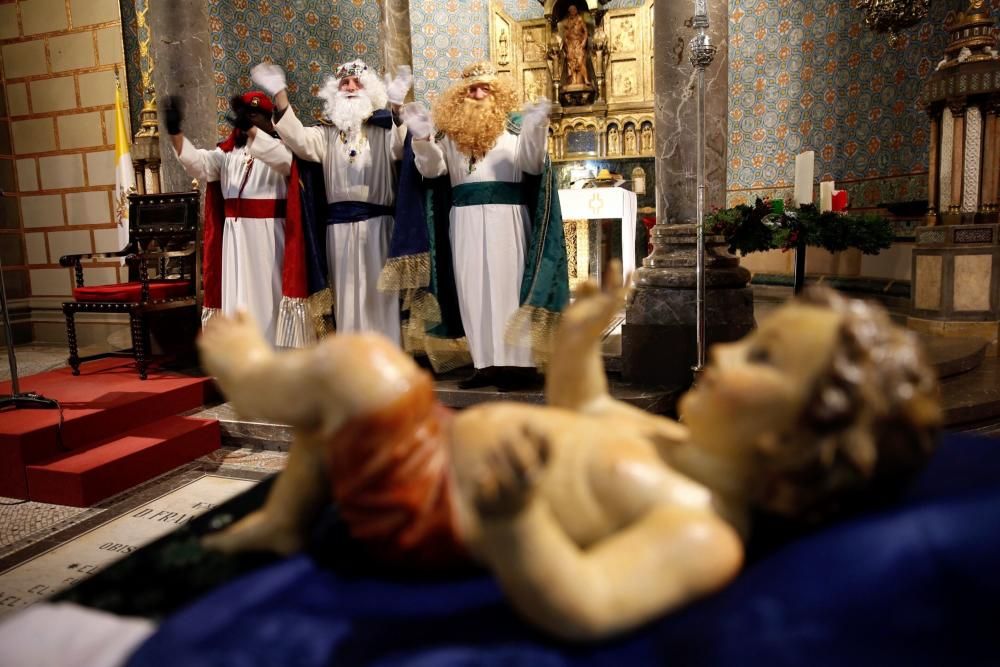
(504,227)
(359,145)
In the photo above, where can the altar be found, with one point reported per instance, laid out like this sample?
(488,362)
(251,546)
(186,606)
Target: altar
(589,244)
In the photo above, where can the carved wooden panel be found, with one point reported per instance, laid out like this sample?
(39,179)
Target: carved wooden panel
(626,81)
(623,33)
(535,83)
(533,43)
(503,41)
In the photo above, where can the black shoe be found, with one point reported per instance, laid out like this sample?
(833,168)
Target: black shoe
(516,378)
(481,377)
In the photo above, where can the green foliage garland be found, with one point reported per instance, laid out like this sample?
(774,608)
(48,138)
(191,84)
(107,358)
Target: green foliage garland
(759,228)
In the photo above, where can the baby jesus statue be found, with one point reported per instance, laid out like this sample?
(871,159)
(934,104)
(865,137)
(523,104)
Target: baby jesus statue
(594,516)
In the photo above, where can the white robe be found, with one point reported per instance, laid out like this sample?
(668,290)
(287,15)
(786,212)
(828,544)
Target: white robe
(489,242)
(356,251)
(252,248)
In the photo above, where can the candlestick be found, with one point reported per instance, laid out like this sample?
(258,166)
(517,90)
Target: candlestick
(702,54)
(701,9)
(805,163)
(825,196)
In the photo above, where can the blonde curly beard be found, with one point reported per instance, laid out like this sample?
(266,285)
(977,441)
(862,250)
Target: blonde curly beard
(474,125)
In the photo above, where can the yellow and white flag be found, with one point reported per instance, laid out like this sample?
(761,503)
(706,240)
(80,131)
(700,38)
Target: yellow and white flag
(124,173)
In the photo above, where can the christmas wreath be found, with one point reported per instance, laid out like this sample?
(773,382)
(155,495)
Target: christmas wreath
(765,226)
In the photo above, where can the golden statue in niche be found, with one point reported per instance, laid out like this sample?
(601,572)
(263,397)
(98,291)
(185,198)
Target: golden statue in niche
(614,141)
(630,148)
(647,138)
(576,36)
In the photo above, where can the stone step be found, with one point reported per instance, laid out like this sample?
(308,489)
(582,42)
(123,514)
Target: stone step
(972,398)
(953,356)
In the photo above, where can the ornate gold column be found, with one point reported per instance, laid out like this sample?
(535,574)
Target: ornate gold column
(146,144)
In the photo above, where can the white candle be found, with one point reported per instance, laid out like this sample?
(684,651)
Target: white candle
(701,7)
(805,163)
(826,196)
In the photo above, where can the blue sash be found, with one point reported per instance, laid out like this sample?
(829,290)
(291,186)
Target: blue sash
(354,211)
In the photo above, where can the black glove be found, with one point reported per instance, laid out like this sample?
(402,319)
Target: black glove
(172,108)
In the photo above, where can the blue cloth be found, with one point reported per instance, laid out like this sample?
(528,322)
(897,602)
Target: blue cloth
(916,585)
(354,211)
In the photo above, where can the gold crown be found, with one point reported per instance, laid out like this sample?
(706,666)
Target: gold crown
(354,68)
(481,70)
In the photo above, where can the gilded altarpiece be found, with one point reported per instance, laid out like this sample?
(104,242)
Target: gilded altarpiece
(610,114)
(602,111)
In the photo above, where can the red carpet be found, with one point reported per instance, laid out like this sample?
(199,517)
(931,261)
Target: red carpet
(117,431)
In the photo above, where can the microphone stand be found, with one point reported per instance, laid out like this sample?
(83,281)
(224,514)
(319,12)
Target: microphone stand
(16,398)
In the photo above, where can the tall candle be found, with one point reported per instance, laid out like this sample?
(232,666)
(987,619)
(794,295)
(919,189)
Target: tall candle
(805,163)
(826,196)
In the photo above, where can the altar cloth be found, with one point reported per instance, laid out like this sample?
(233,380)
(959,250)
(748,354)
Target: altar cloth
(916,584)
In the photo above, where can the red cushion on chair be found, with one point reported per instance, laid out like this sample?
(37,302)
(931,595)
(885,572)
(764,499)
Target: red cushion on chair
(159,290)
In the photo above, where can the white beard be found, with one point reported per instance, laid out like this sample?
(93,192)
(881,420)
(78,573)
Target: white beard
(347,113)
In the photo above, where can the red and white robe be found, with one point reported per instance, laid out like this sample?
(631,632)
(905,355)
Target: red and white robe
(244,241)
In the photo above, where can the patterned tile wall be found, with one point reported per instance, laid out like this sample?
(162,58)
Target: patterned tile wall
(447,35)
(526,10)
(523,10)
(306,37)
(808,75)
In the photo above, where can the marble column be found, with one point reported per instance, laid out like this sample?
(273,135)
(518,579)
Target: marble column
(398,49)
(182,55)
(658,338)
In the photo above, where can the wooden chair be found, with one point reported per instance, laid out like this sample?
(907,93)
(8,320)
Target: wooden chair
(164,260)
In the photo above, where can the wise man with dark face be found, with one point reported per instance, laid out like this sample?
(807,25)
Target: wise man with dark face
(244,241)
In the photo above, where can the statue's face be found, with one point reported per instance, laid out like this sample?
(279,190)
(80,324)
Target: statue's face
(760,384)
(573,11)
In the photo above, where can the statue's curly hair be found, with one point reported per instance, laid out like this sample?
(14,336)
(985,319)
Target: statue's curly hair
(868,425)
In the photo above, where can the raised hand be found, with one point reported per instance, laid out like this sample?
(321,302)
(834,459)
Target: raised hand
(417,120)
(595,307)
(172,112)
(269,77)
(397,88)
(536,113)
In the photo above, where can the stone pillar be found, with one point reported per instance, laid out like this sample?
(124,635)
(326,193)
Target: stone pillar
(396,35)
(658,338)
(182,59)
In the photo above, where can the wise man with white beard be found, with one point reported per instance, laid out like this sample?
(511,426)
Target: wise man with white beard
(359,145)
(504,225)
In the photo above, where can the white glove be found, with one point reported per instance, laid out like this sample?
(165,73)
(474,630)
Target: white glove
(417,120)
(269,77)
(537,113)
(397,88)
